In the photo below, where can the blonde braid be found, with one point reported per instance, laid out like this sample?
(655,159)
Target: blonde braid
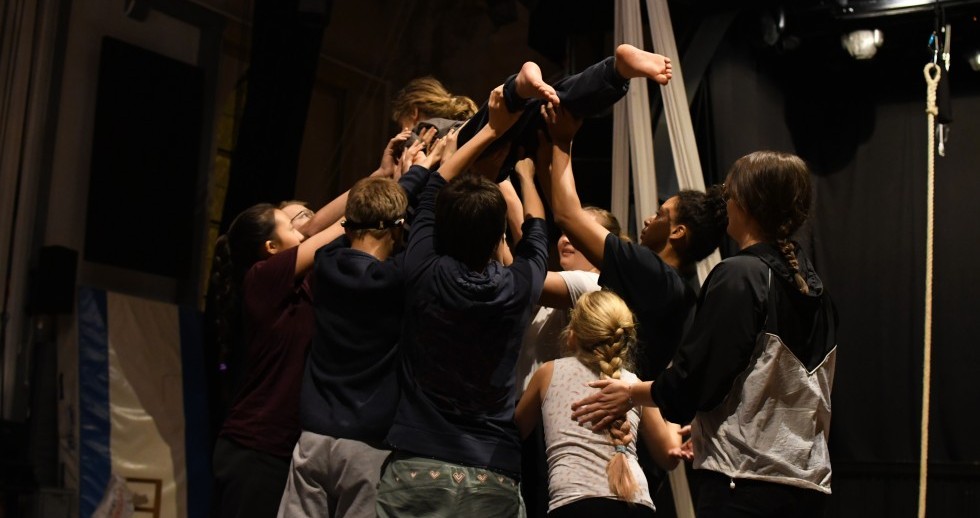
(621,481)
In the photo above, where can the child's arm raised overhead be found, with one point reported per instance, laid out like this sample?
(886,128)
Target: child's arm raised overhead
(585,233)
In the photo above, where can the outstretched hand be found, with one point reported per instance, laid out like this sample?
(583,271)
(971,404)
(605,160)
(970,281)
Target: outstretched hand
(389,161)
(603,407)
(562,126)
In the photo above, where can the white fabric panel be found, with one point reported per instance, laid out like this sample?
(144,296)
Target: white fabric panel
(619,205)
(640,125)
(146,398)
(678,114)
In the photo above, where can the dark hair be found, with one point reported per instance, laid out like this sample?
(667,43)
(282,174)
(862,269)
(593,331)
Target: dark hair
(375,201)
(773,188)
(234,253)
(470,220)
(706,218)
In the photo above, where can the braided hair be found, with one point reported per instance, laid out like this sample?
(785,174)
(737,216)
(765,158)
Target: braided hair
(604,330)
(774,189)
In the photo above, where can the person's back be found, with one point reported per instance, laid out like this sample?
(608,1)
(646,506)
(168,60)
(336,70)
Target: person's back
(350,387)
(456,448)
(462,335)
(577,456)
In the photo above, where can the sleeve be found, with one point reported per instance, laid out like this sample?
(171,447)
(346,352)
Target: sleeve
(420,250)
(413,182)
(579,283)
(635,273)
(271,281)
(718,346)
(532,250)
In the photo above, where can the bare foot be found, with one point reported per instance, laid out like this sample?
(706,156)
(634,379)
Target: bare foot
(632,62)
(531,85)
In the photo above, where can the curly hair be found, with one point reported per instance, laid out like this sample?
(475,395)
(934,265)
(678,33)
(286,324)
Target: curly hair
(706,217)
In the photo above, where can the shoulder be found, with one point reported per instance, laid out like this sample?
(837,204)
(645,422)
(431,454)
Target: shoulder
(740,273)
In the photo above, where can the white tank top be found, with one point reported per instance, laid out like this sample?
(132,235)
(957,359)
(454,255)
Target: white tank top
(577,457)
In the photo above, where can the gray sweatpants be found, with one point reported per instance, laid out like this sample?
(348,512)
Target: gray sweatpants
(332,477)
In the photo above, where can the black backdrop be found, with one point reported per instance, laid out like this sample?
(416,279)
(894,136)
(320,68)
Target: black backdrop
(862,128)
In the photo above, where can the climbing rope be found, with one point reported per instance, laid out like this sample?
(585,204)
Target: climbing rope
(931,72)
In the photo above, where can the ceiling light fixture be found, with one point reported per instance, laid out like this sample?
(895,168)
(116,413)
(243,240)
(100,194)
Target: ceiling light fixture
(863,44)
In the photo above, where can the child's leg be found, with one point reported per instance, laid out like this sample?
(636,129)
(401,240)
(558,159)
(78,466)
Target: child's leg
(597,88)
(632,62)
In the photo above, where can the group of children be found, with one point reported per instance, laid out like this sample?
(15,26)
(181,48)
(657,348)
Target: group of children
(384,358)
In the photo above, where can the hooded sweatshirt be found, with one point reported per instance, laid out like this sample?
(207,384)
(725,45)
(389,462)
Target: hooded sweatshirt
(460,343)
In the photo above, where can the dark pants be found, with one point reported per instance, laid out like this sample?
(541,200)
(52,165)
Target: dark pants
(589,93)
(754,498)
(248,483)
(602,508)
(534,474)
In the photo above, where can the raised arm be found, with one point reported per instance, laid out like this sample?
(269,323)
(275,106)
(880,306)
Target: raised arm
(309,246)
(533,207)
(515,209)
(587,235)
(500,120)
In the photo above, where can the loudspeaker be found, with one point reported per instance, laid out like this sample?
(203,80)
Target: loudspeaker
(52,289)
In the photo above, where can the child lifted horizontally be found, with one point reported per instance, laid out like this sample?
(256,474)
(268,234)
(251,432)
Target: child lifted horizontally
(586,94)
(457,449)
(595,474)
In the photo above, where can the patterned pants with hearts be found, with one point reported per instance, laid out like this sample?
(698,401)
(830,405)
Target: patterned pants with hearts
(418,486)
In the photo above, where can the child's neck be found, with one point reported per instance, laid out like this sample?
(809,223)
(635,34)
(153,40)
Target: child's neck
(380,248)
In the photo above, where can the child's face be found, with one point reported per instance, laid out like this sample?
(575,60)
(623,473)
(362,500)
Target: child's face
(656,228)
(570,258)
(285,235)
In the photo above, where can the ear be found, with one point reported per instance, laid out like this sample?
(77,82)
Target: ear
(415,116)
(270,247)
(678,232)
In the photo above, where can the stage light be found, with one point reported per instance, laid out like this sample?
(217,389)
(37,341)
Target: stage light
(975,60)
(863,44)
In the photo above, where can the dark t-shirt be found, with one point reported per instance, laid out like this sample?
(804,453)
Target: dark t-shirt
(661,299)
(278,314)
(463,331)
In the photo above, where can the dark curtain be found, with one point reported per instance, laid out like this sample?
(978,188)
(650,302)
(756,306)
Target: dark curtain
(282,68)
(862,128)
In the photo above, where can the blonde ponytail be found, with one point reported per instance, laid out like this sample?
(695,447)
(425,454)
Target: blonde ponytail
(604,331)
